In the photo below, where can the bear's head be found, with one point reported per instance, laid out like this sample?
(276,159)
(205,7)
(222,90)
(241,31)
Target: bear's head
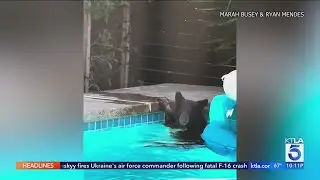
(186,114)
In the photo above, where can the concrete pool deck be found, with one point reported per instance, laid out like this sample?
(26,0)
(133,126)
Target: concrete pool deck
(141,99)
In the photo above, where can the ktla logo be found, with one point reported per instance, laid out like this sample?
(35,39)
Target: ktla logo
(294,150)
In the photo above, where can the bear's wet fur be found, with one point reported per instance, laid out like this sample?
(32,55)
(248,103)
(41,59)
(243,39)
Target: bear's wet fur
(185,118)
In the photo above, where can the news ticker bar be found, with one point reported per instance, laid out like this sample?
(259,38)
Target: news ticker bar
(159,165)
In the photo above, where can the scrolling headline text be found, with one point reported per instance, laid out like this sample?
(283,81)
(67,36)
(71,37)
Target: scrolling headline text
(156,165)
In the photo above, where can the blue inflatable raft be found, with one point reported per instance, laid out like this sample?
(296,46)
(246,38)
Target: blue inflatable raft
(220,134)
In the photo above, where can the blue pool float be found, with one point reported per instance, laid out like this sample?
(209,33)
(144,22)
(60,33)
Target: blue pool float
(220,134)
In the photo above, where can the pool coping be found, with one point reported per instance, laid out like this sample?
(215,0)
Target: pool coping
(122,108)
(133,109)
(137,113)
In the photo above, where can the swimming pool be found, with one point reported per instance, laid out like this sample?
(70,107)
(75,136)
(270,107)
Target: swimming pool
(131,144)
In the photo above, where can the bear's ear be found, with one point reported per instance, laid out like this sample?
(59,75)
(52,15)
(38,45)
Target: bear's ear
(179,98)
(202,103)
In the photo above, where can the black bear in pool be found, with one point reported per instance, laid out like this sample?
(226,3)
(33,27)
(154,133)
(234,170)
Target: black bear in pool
(186,119)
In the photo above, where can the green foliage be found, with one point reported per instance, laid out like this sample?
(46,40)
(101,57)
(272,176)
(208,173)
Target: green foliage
(102,8)
(220,37)
(102,49)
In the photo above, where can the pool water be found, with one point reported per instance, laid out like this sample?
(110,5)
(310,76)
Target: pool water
(131,144)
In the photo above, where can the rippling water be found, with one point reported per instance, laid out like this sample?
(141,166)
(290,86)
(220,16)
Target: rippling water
(132,144)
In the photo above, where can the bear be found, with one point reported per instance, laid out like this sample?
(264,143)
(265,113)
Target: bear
(185,117)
